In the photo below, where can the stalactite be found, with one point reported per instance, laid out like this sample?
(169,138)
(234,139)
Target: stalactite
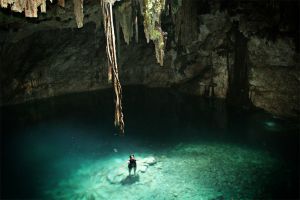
(124,17)
(61,3)
(136,29)
(152,10)
(3,3)
(135,5)
(175,6)
(186,27)
(18,6)
(78,11)
(112,60)
(30,7)
(43,6)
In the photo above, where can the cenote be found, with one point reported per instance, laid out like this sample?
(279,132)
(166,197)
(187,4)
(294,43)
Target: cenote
(149,99)
(65,148)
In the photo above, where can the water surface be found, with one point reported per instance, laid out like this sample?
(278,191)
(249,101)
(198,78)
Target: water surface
(65,147)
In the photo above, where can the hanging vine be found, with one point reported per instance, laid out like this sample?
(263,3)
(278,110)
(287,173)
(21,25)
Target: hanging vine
(112,60)
(126,17)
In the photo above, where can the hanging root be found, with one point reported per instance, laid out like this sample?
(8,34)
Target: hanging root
(150,9)
(112,61)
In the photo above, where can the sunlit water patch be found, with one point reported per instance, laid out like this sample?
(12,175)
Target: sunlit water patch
(187,171)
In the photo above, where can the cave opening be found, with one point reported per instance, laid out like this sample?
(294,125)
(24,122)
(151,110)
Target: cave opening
(205,94)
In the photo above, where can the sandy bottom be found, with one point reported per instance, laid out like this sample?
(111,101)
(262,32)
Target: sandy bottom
(187,171)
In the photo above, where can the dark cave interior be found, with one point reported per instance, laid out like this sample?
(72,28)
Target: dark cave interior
(210,99)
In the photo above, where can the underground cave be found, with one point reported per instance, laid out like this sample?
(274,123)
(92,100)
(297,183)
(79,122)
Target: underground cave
(204,93)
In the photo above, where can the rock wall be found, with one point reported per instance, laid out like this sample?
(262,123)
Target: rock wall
(50,56)
(275,75)
(54,62)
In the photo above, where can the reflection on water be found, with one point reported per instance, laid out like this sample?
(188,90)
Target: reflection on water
(65,147)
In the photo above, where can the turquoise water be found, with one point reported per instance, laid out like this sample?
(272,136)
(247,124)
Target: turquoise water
(67,148)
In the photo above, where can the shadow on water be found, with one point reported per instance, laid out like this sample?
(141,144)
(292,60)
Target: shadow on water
(43,141)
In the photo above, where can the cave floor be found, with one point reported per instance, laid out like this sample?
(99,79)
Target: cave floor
(66,148)
(189,171)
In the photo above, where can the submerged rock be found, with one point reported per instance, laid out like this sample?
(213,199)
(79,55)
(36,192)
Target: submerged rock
(117,175)
(142,168)
(149,160)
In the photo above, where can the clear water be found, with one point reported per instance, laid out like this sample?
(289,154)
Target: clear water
(66,147)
